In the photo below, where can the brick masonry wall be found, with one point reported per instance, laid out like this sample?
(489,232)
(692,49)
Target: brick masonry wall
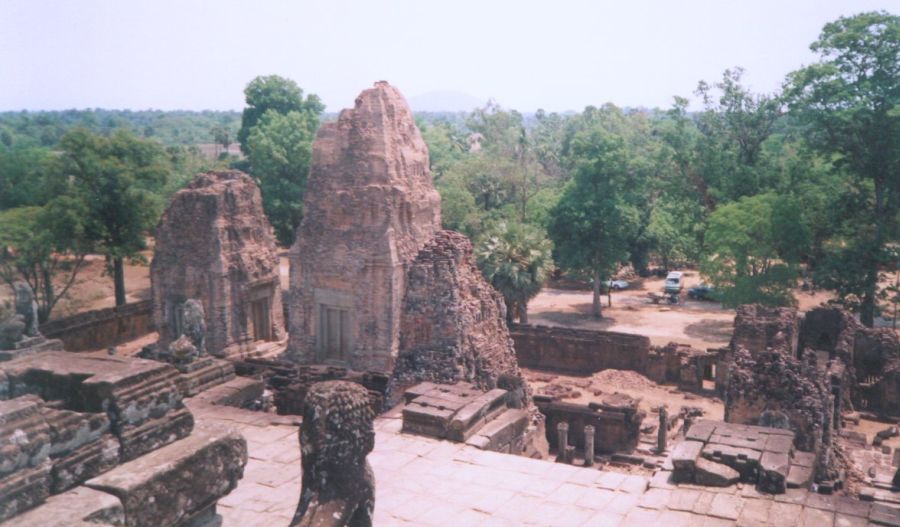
(103,327)
(579,351)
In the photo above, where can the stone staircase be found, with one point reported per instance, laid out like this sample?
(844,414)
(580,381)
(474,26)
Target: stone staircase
(463,413)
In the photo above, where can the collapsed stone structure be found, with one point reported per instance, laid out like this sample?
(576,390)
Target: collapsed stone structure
(214,245)
(376,284)
(453,322)
(112,438)
(335,437)
(800,372)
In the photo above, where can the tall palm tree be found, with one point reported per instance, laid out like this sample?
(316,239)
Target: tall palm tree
(516,260)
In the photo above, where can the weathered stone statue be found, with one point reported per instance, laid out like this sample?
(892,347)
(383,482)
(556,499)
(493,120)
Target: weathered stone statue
(12,329)
(27,307)
(194,324)
(335,437)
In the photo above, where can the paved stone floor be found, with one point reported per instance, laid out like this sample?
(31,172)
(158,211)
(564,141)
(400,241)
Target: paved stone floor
(424,482)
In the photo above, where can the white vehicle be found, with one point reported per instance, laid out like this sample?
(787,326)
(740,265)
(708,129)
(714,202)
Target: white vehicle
(674,283)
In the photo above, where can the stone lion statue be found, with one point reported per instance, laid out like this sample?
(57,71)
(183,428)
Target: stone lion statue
(336,435)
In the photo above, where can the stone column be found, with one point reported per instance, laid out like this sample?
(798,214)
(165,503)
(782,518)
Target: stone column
(662,433)
(588,446)
(562,441)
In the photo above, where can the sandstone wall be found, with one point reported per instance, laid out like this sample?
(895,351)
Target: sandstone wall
(781,385)
(579,351)
(453,326)
(215,244)
(370,206)
(102,328)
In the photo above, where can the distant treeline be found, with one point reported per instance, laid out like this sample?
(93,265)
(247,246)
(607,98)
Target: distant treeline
(179,127)
(176,127)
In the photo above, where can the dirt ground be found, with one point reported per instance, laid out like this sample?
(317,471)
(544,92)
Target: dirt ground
(702,324)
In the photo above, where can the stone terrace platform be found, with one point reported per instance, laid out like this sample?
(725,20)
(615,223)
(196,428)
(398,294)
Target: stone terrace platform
(426,482)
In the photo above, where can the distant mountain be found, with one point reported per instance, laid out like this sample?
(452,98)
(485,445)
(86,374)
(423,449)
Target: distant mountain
(445,101)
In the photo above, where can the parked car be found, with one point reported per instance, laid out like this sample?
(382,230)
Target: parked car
(674,283)
(616,285)
(702,292)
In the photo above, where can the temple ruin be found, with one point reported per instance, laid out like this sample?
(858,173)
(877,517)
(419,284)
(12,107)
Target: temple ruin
(214,245)
(370,207)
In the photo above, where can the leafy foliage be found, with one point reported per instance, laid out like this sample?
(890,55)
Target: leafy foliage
(43,246)
(516,260)
(753,246)
(118,179)
(849,101)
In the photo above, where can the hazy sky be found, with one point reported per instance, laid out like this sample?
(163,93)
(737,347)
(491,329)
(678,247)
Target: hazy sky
(554,54)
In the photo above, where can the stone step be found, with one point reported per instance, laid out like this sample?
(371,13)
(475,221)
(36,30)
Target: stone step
(178,481)
(79,507)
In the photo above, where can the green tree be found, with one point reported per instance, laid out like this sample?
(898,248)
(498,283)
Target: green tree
(280,152)
(593,222)
(278,94)
(43,246)
(850,100)
(118,180)
(23,176)
(221,135)
(516,260)
(753,247)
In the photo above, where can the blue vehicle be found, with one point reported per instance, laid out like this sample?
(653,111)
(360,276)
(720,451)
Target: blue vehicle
(702,292)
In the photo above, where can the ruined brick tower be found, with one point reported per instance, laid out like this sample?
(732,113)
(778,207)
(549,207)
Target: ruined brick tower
(370,207)
(215,245)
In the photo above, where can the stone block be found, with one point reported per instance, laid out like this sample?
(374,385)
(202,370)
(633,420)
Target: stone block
(799,477)
(178,480)
(773,472)
(701,431)
(884,515)
(684,457)
(713,474)
(780,444)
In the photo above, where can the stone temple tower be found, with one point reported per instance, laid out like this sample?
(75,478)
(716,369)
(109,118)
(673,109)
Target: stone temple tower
(370,207)
(215,245)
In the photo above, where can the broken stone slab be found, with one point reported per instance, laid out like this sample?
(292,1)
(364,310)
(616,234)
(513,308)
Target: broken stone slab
(799,477)
(79,507)
(744,460)
(712,474)
(773,472)
(684,458)
(178,481)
